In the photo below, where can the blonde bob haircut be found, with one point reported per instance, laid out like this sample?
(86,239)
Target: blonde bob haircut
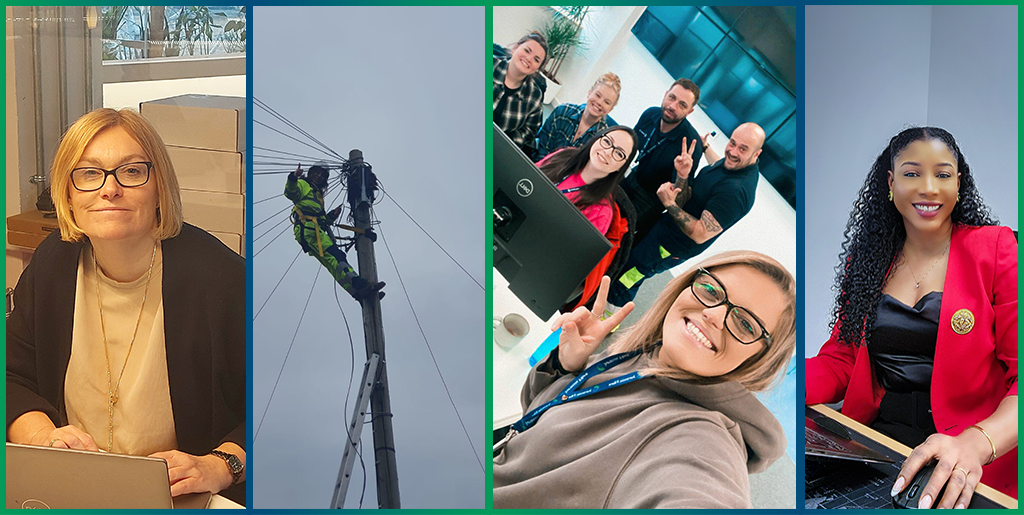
(168,208)
(757,373)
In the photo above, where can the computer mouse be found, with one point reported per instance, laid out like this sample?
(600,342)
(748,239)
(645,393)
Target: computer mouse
(911,495)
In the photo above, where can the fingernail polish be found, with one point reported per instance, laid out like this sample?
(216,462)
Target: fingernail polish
(897,487)
(926,502)
(960,506)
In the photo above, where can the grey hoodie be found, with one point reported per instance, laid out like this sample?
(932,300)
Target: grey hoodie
(653,443)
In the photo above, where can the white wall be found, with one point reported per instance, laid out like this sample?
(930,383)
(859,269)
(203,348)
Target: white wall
(972,93)
(870,72)
(770,227)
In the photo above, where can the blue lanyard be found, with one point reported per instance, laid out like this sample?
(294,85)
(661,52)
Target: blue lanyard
(570,394)
(653,137)
(570,190)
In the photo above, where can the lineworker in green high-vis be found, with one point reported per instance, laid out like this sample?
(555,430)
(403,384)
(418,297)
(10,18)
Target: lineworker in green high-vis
(313,230)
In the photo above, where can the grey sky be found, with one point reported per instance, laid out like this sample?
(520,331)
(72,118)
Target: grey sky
(404,85)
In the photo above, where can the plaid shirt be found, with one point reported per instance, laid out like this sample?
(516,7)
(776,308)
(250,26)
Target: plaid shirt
(560,127)
(521,116)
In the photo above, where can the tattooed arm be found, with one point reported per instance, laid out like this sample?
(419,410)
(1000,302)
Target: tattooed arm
(700,230)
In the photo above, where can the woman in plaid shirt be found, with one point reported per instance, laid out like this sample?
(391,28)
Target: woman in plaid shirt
(572,125)
(518,96)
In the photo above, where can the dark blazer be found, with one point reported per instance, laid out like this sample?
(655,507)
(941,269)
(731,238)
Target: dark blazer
(972,372)
(204,295)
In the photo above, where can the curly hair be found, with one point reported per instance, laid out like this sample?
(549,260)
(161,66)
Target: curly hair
(875,235)
(571,160)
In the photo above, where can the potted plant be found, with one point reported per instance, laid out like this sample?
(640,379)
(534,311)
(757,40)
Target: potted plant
(564,33)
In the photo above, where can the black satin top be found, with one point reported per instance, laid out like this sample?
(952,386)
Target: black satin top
(902,347)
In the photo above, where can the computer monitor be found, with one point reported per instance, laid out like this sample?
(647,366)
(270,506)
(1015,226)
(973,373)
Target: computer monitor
(543,245)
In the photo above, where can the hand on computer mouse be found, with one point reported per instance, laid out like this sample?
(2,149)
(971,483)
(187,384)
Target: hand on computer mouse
(956,467)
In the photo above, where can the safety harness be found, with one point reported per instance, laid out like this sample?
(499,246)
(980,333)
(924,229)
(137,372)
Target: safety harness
(300,218)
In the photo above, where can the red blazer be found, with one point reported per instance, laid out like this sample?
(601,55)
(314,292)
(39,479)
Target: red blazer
(972,372)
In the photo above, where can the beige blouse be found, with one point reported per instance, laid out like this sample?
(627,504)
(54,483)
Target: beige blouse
(143,420)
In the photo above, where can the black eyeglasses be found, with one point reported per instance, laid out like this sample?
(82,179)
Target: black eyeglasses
(128,175)
(739,321)
(618,153)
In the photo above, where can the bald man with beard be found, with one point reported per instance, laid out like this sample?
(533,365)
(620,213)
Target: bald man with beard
(698,209)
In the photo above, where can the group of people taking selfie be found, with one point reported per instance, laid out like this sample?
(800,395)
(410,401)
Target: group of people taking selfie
(921,253)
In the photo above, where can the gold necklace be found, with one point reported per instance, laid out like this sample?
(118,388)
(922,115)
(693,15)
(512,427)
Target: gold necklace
(917,282)
(113,390)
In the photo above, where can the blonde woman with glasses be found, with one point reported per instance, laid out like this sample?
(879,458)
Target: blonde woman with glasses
(129,328)
(665,417)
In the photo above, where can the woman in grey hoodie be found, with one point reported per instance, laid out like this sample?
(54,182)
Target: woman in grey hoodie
(665,417)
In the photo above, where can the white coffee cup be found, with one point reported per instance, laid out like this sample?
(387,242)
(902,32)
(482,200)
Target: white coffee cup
(510,329)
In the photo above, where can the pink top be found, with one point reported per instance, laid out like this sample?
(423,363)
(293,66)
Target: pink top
(600,215)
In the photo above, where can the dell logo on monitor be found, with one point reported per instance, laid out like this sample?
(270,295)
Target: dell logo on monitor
(524,187)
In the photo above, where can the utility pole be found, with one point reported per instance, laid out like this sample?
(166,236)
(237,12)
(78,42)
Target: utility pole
(362,188)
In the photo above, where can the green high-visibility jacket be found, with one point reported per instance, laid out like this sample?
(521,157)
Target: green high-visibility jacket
(312,219)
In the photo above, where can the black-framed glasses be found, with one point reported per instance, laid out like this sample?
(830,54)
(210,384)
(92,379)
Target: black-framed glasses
(739,321)
(618,153)
(128,175)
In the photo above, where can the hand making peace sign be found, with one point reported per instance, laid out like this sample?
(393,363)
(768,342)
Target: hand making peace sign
(583,330)
(684,161)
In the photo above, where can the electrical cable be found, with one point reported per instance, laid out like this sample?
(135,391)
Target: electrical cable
(432,239)
(348,391)
(299,253)
(283,220)
(281,117)
(291,137)
(271,217)
(288,353)
(271,241)
(268,198)
(430,350)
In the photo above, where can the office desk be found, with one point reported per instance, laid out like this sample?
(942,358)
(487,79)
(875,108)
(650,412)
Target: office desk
(511,366)
(885,474)
(223,503)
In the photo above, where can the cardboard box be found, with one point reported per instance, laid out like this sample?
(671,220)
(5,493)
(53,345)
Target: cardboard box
(32,222)
(24,239)
(233,241)
(29,229)
(207,122)
(208,170)
(213,211)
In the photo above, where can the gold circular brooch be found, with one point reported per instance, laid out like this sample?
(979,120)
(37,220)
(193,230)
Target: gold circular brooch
(962,321)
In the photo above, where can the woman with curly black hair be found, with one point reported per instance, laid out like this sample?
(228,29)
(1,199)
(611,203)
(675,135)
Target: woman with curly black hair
(924,339)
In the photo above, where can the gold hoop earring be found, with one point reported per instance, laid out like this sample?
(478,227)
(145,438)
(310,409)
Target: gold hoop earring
(890,195)
(958,197)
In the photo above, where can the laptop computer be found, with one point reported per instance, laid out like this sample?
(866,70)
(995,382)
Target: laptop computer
(826,438)
(42,477)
